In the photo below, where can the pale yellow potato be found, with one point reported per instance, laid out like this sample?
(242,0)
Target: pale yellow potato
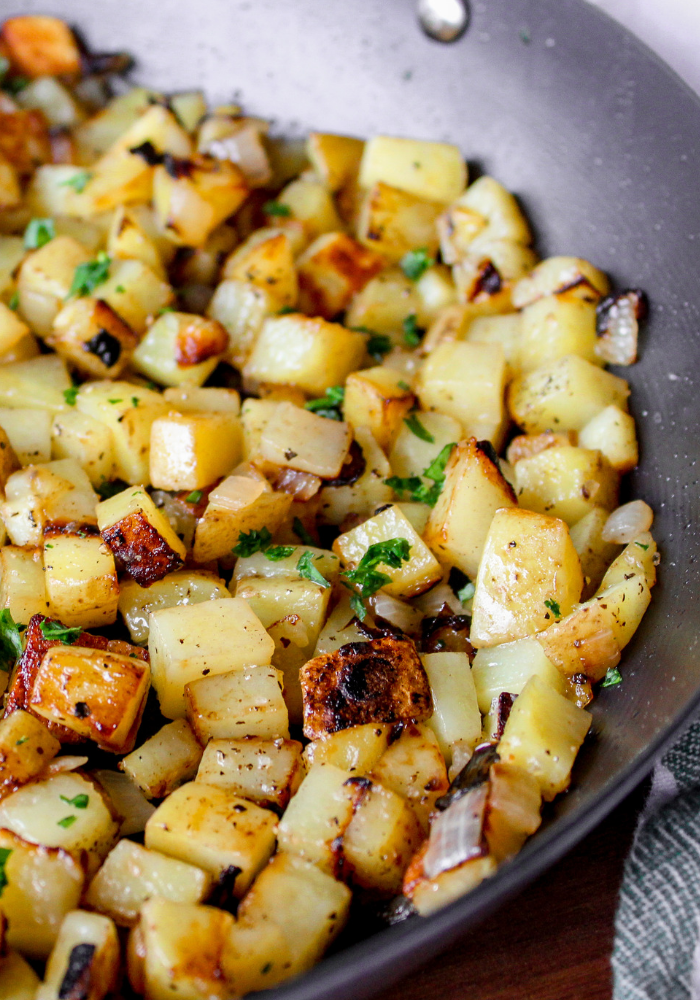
(543,734)
(334,158)
(165,761)
(455,715)
(380,840)
(190,451)
(367,493)
(436,289)
(513,812)
(266,771)
(554,326)
(436,171)
(460,520)
(178,588)
(421,570)
(266,261)
(189,208)
(377,398)
(311,204)
(430,895)
(135,292)
(356,749)
(331,270)
(411,455)
(413,767)
(558,274)
(86,440)
(286,569)
(256,956)
(448,371)
(299,439)
(213,829)
(505,329)
(186,643)
(26,748)
(341,627)
(485,209)
(508,667)
(181,349)
(613,433)
(12,329)
(80,930)
(37,383)
(393,222)
(80,579)
(127,239)
(507,259)
(56,493)
(45,279)
(238,703)
(99,132)
(384,303)
(566,482)
(80,325)
(594,552)
(22,587)
(238,505)
(195,399)
(10,189)
(639,556)
(241,308)
(529,576)
(18,980)
(28,433)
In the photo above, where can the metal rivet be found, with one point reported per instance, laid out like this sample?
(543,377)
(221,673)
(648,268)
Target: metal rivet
(443,20)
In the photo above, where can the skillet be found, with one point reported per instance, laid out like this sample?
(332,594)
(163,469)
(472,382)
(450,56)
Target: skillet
(601,142)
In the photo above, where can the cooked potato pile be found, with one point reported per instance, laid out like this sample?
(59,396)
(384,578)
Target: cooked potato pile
(278,623)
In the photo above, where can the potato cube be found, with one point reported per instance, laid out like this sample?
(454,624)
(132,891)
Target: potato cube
(22,587)
(297,439)
(612,432)
(86,440)
(81,579)
(266,261)
(486,275)
(411,454)
(213,829)
(331,270)
(26,747)
(39,382)
(99,132)
(384,303)
(180,348)
(47,496)
(513,812)
(194,399)
(566,482)
(563,395)
(139,535)
(508,667)
(310,353)
(311,204)
(334,158)
(594,552)
(337,693)
(238,505)
(255,957)
(178,588)
(129,240)
(433,170)
(355,750)
(266,771)
(89,334)
(380,840)
(18,981)
(87,952)
(529,576)
(414,768)
(393,222)
(286,569)
(455,715)
(41,46)
(135,292)
(12,329)
(485,209)
(527,445)
(543,734)
(191,451)
(376,398)
(309,907)
(445,373)
(97,694)
(191,202)
(45,280)
(131,875)
(165,761)
(28,434)
(367,493)
(241,308)
(411,578)
(186,643)
(244,702)
(561,274)
(555,326)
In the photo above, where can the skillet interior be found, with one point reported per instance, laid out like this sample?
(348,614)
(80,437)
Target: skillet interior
(602,144)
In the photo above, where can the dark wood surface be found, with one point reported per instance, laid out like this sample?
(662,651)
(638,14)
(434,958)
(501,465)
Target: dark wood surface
(553,942)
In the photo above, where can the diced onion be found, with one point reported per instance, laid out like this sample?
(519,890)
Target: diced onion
(456,834)
(59,765)
(127,799)
(245,149)
(627,522)
(436,598)
(402,615)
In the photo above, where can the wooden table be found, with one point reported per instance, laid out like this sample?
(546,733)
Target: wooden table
(551,943)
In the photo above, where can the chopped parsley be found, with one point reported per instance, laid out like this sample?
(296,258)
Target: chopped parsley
(276,552)
(465,593)
(404,385)
(21,740)
(109,488)
(251,542)
(78,181)
(286,310)
(120,289)
(115,401)
(612,677)
(194,497)
(15,84)
(79,802)
(67,821)
(416,427)
(378,344)
(14,301)
(358,607)
(5,853)
(90,274)
(412,333)
(415,263)
(642,545)
(414,486)
(10,641)
(60,633)
(135,401)
(165,309)
(301,532)
(277,208)
(329,405)
(71,395)
(393,552)
(553,606)
(306,568)
(38,233)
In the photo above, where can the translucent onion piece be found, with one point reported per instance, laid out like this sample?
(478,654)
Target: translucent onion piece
(628,521)
(456,834)
(61,764)
(402,615)
(435,599)
(246,150)
(127,800)
(181,519)
(618,327)
(302,485)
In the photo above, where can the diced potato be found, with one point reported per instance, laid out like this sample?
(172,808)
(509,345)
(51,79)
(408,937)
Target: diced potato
(12,329)
(81,579)
(561,274)
(452,366)
(213,829)
(256,956)
(555,326)
(508,667)
(45,280)
(414,768)
(310,353)
(18,980)
(380,840)
(165,761)
(411,455)
(498,329)
(135,292)
(139,535)
(513,812)
(238,505)
(244,702)
(186,643)
(44,497)
(97,694)
(430,895)
(42,885)
(485,209)
(266,771)
(241,308)
(433,170)
(131,875)
(486,275)
(529,575)
(27,434)
(613,433)
(10,190)
(310,202)
(594,552)
(355,750)
(437,292)
(543,734)
(287,570)
(527,445)
(564,395)
(180,348)
(128,411)
(413,577)
(308,906)
(266,261)
(367,493)
(377,399)
(193,399)
(90,335)
(37,383)
(298,439)
(180,948)
(393,222)
(341,628)
(334,158)
(25,349)
(316,818)
(455,715)
(639,556)
(331,270)
(460,520)
(179,588)
(566,482)
(98,133)
(191,451)
(41,46)
(128,240)
(26,748)
(87,952)
(192,203)
(384,303)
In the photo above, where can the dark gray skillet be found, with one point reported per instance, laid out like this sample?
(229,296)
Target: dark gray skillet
(602,144)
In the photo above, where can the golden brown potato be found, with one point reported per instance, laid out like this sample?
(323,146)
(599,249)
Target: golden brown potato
(90,335)
(140,536)
(41,46)
(331,270)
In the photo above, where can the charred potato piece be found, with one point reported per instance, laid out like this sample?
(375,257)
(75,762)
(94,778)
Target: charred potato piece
(90,335)
(85,959)
(139,535)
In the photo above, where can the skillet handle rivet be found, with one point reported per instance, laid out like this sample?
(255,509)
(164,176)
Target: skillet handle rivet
(443,20)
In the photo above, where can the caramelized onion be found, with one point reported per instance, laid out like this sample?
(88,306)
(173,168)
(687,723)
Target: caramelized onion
(301,485)
(628,521)
(617,326)
(396,612)
(456,835)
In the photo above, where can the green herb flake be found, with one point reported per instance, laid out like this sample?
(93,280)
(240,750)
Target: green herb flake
(38,233)
(78,181)
(21,741)
(392,553)
(120,289)
(71,395)
(286,310)
(358,607)
(15,84)
(276,552)
(194,497)
(412,333)
(416,427)
(115,401)
(612,677)
(109,488)
(465,593)
(67,821)
(79,802)
(89,275)
(329,405)
(251,542)
(135,401)
(10,641)
(165,309)
(277,208)
(417,490)
(14,301)
(378,344)
(553,606)
(60,633)
(415,263)
(301,532)
(404,385)
(48,545)
(306,568)
(5,853)
(642,545)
